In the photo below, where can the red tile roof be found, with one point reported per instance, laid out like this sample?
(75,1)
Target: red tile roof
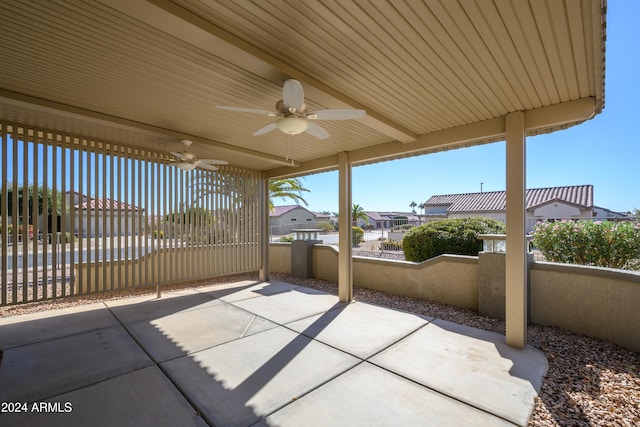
(107,204)
(495,201)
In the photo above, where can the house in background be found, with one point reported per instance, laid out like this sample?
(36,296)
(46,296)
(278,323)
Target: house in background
(387,220)
(113,217)
(283,219)
(553,203)
(603,214)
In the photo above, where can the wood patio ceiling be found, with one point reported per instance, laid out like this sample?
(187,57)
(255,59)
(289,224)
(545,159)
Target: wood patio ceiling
(432,75)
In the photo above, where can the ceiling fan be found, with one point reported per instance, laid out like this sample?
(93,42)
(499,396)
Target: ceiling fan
(188,161)
(294,117)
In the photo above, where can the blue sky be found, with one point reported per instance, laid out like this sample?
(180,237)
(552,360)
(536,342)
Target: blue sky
(604,151)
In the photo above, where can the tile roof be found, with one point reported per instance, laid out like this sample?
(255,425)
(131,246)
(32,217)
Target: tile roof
(107,204)
(281,210)
(381,216)
(495,201)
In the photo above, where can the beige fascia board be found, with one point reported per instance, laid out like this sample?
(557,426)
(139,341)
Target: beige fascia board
(545,118)
(89,116)
(447,139)
(555,116)
(323,164)
(435,141)
(182,24)
(599,37)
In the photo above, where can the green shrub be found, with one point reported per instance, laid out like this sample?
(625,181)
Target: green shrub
(286,239)
(602,244)
(357,234)
(403,227)
(448,236)
(390,245)
(326,226)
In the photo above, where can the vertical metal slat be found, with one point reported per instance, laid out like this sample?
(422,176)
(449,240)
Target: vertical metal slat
(115,208)
(25,221)
(4,212)
(63,220)
(97,233)
(72,218)
(54,221)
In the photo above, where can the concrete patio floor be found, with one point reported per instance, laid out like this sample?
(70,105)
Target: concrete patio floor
(268,354)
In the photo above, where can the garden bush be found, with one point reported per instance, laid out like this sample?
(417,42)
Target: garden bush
(390,245)
(458,236)
(403,227)
(327,227)
(602,244)
(357,234)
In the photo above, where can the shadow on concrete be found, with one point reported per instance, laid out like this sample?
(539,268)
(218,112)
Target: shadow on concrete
(87,361)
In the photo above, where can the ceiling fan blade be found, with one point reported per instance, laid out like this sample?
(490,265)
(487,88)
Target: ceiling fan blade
(179,156)
(317,131)
(267,128)
(214,162)
(336,114)
(293,95)
(247,110)
(207,167)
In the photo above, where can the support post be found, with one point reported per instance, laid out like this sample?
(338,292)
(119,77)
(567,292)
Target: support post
(263,223)
(516,242)
(345,266)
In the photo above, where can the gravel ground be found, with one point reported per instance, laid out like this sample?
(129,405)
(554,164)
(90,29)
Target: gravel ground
(590,382)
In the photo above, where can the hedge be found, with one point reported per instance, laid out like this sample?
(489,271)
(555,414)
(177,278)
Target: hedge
(602,244)
(458,236)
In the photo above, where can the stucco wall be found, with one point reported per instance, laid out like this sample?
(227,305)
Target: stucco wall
(592,301)
(597,302)
(325,263)
(280,257)
(165,266)
(450,279)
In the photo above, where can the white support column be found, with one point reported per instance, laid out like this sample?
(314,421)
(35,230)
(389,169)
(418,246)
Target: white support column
(345,272)
(516,256)
(263,240)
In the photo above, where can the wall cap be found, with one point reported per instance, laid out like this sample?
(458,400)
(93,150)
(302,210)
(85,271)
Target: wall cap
(609,273)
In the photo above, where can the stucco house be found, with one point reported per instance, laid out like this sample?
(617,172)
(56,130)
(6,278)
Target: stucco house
(113,217)
(389,219)
(283,219)
(552,203)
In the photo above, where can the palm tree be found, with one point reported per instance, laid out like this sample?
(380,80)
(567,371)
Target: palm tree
(413,205)
(422,206)
(288,188)
(358,213)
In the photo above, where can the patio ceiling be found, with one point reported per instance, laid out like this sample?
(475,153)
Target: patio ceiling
(432,75)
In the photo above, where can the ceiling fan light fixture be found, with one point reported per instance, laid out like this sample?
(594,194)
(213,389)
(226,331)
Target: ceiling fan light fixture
(292,125)
(186,166)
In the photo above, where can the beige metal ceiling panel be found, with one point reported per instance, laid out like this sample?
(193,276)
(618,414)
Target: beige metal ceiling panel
(419,67)
(323,51)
